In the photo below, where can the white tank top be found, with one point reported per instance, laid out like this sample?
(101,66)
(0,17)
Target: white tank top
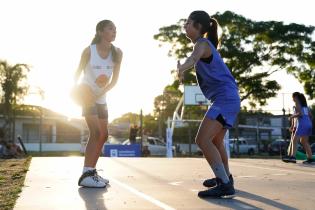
(97,69)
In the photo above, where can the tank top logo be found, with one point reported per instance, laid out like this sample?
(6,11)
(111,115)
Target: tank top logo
(96,67)
(100,67)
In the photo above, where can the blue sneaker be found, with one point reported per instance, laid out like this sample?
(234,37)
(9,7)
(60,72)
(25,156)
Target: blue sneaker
(221,190)
(213,182)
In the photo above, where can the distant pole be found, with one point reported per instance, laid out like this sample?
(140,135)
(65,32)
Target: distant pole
(40,129)
(284,133)
(141,128)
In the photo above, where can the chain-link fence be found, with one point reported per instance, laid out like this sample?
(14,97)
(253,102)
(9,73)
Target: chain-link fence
(255,133)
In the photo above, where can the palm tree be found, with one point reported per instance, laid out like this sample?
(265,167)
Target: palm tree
(13,81)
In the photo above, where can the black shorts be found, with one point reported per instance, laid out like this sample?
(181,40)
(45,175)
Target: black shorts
(99,110)
(221,120)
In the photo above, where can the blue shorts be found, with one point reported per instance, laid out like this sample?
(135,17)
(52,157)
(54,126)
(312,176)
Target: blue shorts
(304,128)
(99,110)
(228,109)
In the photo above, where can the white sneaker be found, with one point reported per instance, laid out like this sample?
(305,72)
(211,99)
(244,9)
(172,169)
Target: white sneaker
(91,179)
(106,181)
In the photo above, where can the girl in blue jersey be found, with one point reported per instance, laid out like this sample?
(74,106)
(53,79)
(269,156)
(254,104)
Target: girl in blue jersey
(100,63)
(303,128)
(219,86)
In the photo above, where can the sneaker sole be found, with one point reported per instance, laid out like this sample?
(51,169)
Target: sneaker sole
(219,197)
(93,186)
(227,196)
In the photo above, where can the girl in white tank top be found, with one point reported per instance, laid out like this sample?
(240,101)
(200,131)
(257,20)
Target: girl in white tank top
(100,63)
(98,72)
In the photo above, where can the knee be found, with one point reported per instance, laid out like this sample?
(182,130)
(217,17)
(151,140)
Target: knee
(197,141)
(95,133)
(303,141)
(200,141)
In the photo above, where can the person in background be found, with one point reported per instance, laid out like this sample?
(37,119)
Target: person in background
(303,128)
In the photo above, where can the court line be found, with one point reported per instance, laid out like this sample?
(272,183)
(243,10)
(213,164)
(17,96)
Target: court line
(246,176)
(273,169)
(142,195)
(175,183)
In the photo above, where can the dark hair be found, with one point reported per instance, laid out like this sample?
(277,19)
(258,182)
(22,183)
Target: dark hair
(100,27)
(295,94)
(301,98)
(209,26)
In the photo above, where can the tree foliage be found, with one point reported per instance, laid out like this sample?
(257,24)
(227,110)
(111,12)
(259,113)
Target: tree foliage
(13,88)
(254,50)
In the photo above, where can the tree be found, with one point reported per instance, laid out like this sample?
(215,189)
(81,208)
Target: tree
(13,88)
(254,50)
(150,125)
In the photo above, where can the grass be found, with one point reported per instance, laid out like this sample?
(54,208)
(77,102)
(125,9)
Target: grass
(12,176)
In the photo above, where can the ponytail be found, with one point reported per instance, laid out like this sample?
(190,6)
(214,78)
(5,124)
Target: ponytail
(209,26)
(96,39)
(212,33)
(301,98)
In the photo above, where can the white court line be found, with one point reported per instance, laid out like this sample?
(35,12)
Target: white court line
(246,176)
(144,196)
(273,169)
(278,174)
(175,183)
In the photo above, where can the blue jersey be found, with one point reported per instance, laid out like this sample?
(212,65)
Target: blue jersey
(304,123)
(215,79)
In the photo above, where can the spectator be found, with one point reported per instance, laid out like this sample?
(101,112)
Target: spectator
(10,150)
(133,134)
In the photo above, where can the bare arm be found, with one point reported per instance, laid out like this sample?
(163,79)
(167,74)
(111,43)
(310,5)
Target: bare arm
(85,57)
(297,111)
(115,76)
(201,50)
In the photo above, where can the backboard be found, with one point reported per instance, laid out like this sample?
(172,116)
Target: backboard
(194,96)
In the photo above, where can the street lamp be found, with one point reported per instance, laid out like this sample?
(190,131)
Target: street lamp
(39,91)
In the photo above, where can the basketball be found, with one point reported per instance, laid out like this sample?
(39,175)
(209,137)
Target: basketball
(102,81)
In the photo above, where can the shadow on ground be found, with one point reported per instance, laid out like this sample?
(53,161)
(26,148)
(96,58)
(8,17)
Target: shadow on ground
(237,204)
(93,197)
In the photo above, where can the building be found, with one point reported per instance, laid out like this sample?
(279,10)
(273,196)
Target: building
(48,131)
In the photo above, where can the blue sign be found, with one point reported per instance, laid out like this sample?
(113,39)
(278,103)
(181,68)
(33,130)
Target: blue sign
(119,150)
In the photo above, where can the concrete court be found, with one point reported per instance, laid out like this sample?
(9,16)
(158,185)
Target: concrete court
(161,183)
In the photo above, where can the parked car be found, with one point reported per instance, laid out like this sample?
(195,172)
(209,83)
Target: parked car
(278,145)
(152,146)
(110,140)
(244,147)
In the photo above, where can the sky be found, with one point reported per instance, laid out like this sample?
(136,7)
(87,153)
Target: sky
(50,35)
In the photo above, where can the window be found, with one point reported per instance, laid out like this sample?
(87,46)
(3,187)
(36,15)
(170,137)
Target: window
(151,141)
(31,133)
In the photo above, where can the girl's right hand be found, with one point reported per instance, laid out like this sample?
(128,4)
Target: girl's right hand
(180,74)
